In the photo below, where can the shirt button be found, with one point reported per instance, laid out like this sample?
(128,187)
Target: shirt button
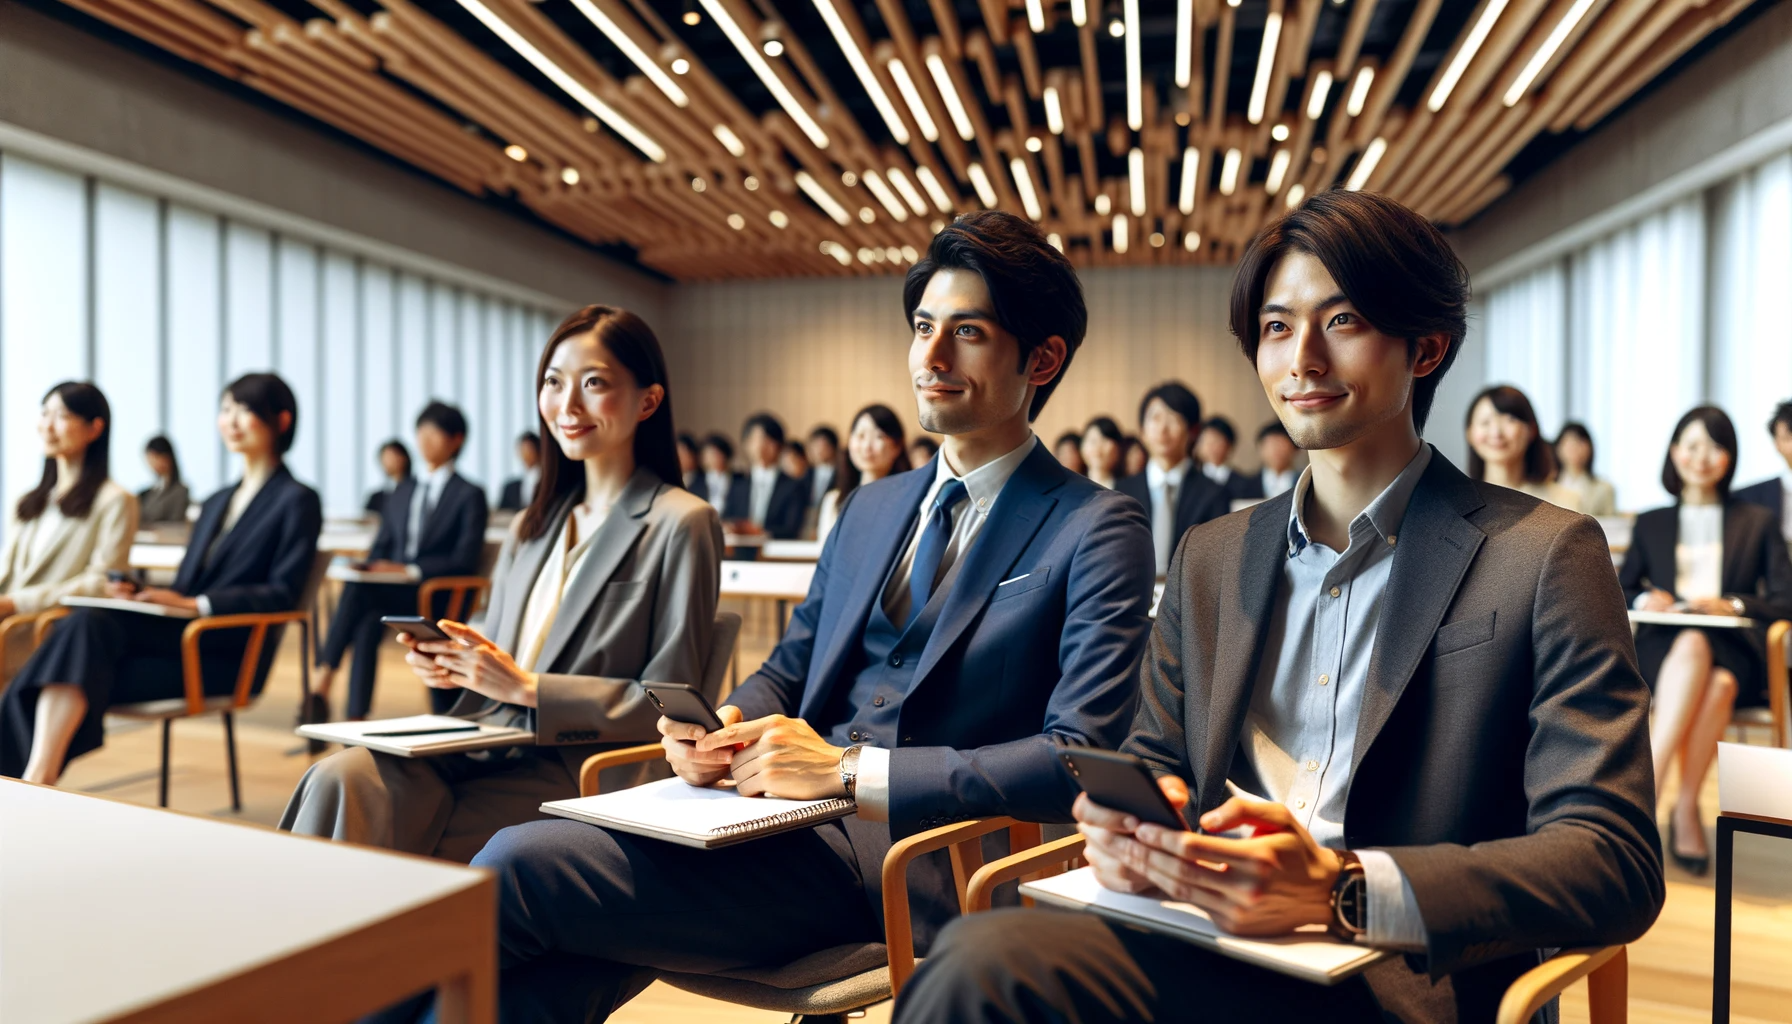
(854,735)
(982,502)
(896,660)
(1392,538)
(1336,591)
(1300,805)
(877,702)
(1324,680)
(1312,766)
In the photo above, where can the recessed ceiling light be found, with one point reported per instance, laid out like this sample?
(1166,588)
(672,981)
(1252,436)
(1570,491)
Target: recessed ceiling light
(751,183)
(867,214)
(736,221)
(773,48)
(1103,205)
(680,66)
(699,185)
(779,219)
(1157,239)
(848,179)
(1191,240)
(1034,144)
(1279,133)
(570,175)
(516,152)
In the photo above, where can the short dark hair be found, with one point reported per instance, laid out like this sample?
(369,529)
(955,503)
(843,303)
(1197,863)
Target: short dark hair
(720,444)
(1391,263)
(1068,437)
(1539,458)
(1033,288)
(1106,426)
(764,421)
(1781,414)
(1180,400)
(1717,424)
(529,439)
(928,443)
(1578,430)
(267,396)
(1223,427)
(826,433)
(795,447)
(395,445)
(1271,429)
(444,417)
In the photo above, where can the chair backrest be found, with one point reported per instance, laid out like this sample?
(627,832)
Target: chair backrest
(320,568)
(721,653)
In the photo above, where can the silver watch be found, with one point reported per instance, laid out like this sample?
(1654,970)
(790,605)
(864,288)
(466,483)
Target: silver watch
(849,770)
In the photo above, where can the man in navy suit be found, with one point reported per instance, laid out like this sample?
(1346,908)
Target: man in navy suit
(431,525)
(765,499)
(1175,495)
(964,618)
(1775,493)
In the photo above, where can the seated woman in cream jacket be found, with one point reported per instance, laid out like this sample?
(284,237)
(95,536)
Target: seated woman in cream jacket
(76,524)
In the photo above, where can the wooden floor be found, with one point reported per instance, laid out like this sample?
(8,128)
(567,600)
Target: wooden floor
(1670,968)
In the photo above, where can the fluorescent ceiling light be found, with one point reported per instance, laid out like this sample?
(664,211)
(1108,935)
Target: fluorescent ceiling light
(572,86)
(1266,62)
(1079,12)
(862,68)
(961,119)
(980,181)
(1120,240)
(1024,183)
(1056,241)
(1135,103)
(1036,16)
(1278,169)
(1296,192)
(633,51)
(1191,166)
(1359,91)
(840,252)
(737,222)
(823,198)
(1185,32)
(725,135)
(1547,51)
(1103,205)
(1054,111)
(1135,167)
(570,175)
(912,96)
(1229,172)
(1322,87)
(909,194)
(910,255)
(935,190)
(779,219)
(516,152)
(1191,240)
(885,196)
(1366,166)
(756,61)
(1471,45)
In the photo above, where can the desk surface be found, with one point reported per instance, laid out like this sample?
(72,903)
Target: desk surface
(1690,619)
(784,581)
(169,903)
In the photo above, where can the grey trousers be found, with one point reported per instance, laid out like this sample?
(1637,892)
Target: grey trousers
(445,807)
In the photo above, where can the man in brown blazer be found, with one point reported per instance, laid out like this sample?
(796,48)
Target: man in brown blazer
(1429,681)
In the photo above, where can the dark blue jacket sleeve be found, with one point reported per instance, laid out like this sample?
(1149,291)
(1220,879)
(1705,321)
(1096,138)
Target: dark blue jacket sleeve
(469,539)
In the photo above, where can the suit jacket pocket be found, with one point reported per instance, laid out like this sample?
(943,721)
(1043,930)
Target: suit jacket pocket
(621,590)
(1462,634)
(1022,583)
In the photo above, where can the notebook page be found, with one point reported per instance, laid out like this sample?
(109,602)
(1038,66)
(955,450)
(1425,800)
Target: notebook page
(671,805)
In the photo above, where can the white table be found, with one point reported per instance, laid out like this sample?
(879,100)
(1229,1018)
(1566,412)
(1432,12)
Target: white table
(1691,619)
(157,556)
(779,582)
(791,551)
(114,912)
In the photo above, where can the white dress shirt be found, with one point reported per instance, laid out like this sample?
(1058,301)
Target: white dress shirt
(1275,483)
(424,498)
(823,483)
(982,486)
(1786,504)
(531,479)
(763,480)
(1300,732)
(1699,552)
(717,483)
(1166,488)
(1218,474)
(563,563)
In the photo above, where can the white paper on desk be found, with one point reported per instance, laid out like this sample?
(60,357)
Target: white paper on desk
(453,739)
(1311,955)
(125,604)
(704,817)
(1754,780)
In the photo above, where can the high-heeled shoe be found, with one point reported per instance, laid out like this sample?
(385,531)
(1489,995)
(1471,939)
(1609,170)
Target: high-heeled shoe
(1696,866)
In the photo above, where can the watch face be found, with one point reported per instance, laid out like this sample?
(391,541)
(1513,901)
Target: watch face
(1353,904)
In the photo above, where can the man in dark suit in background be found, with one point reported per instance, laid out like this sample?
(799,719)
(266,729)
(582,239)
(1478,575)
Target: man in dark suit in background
(715,459)
(1275,453)
(765,499)
(1775,493)
(519,491)
(1175,496)
(1213,451)
(1429,681)
(824,450)
(432,525)
(964,617)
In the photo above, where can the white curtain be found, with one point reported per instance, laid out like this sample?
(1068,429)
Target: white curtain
(1751,338)
(1526,341)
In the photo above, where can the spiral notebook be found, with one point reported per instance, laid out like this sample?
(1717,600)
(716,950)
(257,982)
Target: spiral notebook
(692,816)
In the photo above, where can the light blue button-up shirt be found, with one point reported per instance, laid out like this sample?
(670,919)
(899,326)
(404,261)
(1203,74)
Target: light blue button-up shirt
(1300,733)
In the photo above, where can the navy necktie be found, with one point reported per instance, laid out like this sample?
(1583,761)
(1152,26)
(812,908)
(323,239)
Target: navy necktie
(935,535)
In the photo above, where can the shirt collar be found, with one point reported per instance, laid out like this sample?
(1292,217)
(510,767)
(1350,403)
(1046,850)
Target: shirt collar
(1383,514)
(984,483)
(435,478)
(1157,477)
(1218,474)
(1786,481)
(764,474)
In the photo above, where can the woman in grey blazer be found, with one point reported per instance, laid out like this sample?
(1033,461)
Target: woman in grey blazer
(609,577)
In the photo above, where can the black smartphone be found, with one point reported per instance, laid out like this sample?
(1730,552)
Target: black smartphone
(125,576)
(1122,782)
(682,703)
(417,626)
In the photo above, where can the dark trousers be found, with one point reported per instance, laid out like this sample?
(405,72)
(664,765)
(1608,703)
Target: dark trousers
(357,624)
(1074,968)
(585,915)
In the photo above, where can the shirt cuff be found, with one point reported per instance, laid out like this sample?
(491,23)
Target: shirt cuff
(413,573)
(1640,598)
(1394,919)
(872,791)
(205,606)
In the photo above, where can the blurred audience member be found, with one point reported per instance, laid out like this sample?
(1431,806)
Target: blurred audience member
(1574,471)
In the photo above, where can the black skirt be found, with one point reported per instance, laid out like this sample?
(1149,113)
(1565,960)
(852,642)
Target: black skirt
(1742,651)
(116,658)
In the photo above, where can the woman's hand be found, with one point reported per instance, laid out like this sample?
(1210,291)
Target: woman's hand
(1658,601)
(165,597)
(1712,606)
(7,606)
(424,665)
(473,662)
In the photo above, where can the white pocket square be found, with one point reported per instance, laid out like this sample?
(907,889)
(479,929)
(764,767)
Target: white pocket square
(1016,579)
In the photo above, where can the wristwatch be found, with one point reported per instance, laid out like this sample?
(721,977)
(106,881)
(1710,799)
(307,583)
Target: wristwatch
(1738,607)
(1350,899)
(849,770)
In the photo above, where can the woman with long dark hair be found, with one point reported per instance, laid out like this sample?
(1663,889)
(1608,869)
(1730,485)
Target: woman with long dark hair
(76,525)
(609,577)
(1104,447)
(1506,447)
(252,550)
(1574,471)
(1709,555)
(166,500)
(874,449)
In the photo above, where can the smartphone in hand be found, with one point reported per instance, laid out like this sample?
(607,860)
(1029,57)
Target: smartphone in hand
(419,628)
(682,703)
(1121,782)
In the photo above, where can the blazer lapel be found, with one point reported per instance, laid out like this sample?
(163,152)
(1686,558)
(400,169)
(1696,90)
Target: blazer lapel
(614,539)
(398,506)
(882,542)
(1244,612)
(1736,545)
(1436,546)
(264,499)
(525,567)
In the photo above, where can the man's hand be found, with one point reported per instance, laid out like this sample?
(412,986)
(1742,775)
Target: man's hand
(697,766)
(165,597)
(1108,837)
(382,565)
(783,757)
(1657,601)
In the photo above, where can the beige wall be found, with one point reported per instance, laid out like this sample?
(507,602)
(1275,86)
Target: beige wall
(816,351)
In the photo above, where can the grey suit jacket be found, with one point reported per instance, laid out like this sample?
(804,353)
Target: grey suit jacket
(642,607)
(1502,753)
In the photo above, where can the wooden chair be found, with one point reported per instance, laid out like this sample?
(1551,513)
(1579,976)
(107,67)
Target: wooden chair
(195,702)
(1606,969)
(1779,690)
(459,589)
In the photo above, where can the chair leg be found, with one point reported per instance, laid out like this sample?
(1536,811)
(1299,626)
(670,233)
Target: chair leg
(162,787)
(236,800)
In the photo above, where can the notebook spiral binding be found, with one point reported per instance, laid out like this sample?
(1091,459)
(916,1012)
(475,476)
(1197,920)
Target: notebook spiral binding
(777,822)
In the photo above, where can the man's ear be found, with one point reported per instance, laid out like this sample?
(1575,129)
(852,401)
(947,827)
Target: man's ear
(1428,354)
(1046,360)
